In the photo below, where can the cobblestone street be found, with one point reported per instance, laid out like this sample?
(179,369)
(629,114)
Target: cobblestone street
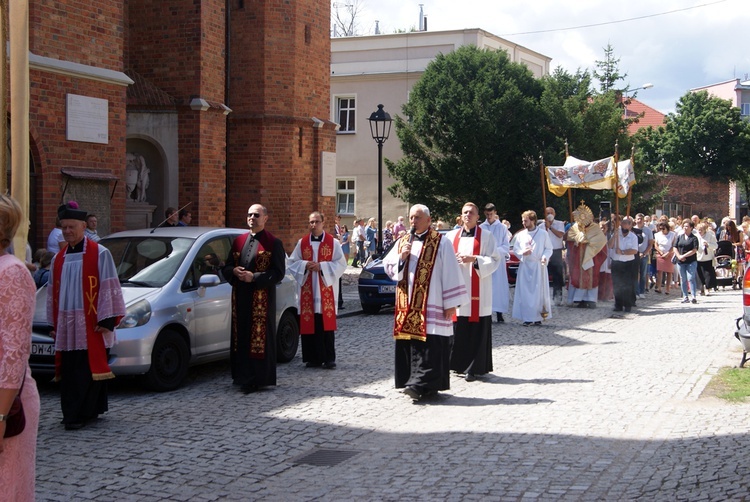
(587,407)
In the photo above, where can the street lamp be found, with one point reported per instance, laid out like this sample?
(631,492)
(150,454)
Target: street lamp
(380,128)
(626,98)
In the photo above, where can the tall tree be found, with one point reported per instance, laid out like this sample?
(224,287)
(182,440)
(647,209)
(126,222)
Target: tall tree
(608,72)
(472,131)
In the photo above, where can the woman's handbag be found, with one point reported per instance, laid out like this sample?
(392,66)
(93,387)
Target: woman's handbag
(16,421)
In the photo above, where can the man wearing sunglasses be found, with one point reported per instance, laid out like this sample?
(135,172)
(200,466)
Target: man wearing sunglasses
(254,267)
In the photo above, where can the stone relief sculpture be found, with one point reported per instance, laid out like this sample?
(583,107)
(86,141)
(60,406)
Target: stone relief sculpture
(136,177)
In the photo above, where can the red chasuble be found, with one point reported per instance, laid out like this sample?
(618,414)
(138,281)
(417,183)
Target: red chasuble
(306,301)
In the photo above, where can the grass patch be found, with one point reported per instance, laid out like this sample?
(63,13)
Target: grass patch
(730,384)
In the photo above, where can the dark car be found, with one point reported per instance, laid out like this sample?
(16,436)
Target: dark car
(375,288)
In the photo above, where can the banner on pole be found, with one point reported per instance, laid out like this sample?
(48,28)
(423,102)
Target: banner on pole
(596,175)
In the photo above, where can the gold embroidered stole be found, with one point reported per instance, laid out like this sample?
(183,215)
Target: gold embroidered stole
(307,300)
(411,322)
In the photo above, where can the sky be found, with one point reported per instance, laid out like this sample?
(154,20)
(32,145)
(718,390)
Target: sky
(676,45)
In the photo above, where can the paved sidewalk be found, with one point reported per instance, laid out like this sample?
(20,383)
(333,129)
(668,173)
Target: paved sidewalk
(586,407)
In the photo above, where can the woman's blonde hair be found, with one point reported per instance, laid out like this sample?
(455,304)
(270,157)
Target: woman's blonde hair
(10,219)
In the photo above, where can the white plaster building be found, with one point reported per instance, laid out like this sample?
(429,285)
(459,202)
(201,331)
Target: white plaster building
(381,69)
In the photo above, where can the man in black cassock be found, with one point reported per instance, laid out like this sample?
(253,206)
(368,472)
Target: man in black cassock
(256,264)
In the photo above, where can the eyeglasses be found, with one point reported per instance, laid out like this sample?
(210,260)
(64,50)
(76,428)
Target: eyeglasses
(253,215)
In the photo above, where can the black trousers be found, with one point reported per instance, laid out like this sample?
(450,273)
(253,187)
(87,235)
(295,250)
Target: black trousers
(707,274)
(425,365)
(319,347)
(623,283)
(81,397)
(555,270)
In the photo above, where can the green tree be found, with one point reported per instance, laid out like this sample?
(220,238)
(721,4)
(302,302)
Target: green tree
(608,72)
(706,136)
(472,132)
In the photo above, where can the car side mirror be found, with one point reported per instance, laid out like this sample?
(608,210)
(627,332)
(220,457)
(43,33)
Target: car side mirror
(209,281)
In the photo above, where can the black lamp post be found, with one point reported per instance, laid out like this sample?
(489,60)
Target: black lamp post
(380,127)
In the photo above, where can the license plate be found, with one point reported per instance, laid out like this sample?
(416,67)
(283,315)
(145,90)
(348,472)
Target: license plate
(386,289)
(42,349)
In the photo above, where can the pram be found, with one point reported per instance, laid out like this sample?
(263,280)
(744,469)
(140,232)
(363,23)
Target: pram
(727,266)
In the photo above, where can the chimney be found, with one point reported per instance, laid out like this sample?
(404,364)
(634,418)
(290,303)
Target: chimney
(421,17)
(377,27)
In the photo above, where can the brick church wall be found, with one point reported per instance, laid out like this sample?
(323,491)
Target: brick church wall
(279,82)
(73,31)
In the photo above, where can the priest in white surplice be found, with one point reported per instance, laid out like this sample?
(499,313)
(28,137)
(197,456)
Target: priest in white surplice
(500,291)
(531,302)
(317,263)
(478,258)
(430,288)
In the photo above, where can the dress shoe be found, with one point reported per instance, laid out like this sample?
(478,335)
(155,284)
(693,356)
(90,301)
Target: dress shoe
(470,377)
(248,388)
(538,323)
(329,365)
(500,317)
(312,364)
(413,392)
(74,426)
(617,309)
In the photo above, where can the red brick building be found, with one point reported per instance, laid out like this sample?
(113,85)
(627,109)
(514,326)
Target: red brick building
(225,103)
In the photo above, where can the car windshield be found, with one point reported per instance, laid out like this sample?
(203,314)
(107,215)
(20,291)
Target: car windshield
(147,261)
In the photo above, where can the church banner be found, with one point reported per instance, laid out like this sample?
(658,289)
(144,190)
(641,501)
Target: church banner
(596,175)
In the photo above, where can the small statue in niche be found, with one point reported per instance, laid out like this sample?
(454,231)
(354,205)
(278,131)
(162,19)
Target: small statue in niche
(137,177)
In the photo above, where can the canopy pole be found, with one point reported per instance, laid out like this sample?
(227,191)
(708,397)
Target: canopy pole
(541,176)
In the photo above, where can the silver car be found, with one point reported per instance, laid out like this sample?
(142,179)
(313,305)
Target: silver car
(179,307)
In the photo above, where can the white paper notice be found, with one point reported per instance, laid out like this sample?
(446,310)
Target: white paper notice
(87,119)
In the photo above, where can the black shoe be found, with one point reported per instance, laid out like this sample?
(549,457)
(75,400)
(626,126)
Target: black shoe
(74,426)
(617,309)
(312,364)
(329,366)
(248,388)
(470,377)
(413,392)
(500,317)
(527,323)
(581,305)
(591,305)
(628,309)
(538,323)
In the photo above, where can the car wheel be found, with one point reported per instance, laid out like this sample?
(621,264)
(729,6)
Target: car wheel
(370,309)
(169,362)
(287,337)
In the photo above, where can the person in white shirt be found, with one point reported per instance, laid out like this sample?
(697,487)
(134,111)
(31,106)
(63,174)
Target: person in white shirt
(556,266)
(500,291)
(358,239)
(624,246)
